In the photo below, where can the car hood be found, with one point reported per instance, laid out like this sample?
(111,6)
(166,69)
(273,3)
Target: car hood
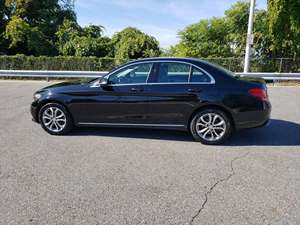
(67,86)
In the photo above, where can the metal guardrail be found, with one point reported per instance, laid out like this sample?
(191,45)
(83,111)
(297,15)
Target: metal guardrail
(92,74)
(51,74)
(273,76)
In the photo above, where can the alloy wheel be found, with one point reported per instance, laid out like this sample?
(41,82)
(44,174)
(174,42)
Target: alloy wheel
(211,126)
(54,119)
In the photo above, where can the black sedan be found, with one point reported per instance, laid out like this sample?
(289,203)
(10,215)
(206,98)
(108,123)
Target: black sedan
(170,93)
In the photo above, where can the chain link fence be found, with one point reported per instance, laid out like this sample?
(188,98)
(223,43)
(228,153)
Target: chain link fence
(21,62)
(279,65)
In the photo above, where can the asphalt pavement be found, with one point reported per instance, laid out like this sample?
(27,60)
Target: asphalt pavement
(135,176)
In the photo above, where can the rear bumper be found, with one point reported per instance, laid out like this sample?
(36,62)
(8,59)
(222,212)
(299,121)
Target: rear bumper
(254,119)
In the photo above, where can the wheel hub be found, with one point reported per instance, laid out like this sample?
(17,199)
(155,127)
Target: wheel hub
(54,119)
(211,126)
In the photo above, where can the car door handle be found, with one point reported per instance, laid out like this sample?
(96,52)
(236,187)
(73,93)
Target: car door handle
(136,90)
(192,90)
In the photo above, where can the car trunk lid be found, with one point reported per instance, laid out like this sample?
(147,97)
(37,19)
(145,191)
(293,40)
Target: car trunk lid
(256,80)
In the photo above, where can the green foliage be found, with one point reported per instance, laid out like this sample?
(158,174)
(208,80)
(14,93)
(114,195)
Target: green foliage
(22,62)
(262,39)
(3,21)
(87,41)
(17,31)
(132,43)
(88,46)
(206,38)
(30,25)
(276,32)
(66,33)
(20,33)
(2,14)
(237,21)
(284,27)
(93,31)
(49,27)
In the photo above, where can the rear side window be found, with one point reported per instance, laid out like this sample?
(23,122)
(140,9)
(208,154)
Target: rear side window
(199,76)
(170,72)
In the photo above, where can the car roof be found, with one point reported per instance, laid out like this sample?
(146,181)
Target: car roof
(196,61)
(169,59)
(175,59)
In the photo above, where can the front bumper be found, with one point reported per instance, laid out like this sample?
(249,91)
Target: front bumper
(34,112)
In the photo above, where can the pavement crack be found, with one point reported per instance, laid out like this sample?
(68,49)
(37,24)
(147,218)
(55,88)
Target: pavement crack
(210,190)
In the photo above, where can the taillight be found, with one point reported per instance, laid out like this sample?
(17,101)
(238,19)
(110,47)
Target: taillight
(259,93)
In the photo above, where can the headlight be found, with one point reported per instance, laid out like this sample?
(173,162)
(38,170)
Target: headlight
(37,96)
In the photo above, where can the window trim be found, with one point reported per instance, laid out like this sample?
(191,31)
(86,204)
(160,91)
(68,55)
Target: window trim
(191,74)
(159,64)
(124,67)
(212,79)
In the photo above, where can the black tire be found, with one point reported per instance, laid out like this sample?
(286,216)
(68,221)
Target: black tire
(226,133)
(62,129)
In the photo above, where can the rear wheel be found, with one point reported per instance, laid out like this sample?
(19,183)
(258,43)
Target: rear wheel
(55,119)
(211,127)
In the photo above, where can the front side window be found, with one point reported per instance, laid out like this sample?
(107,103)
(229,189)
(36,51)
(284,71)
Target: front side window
(134,74)
(199,76)
(170,72)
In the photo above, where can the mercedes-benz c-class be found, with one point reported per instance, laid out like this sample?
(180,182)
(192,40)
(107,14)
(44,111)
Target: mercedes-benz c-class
(167,93)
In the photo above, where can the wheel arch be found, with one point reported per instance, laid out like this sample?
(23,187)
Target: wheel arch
(212,106)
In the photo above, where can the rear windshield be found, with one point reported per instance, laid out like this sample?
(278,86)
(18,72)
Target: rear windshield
(222,69)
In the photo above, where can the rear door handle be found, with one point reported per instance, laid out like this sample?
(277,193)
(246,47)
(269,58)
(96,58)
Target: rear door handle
(192,90)
(136,89)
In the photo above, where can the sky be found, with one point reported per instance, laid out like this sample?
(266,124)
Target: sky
(159,18)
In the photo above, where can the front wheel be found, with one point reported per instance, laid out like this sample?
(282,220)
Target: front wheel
(55,119)
(211,127)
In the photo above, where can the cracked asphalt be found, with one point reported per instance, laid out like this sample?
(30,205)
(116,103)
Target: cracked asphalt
(133,176)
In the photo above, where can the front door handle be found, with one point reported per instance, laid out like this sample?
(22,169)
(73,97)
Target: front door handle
(192,90)
(136,90)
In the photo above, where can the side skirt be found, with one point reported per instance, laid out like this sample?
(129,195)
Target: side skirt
(134,125)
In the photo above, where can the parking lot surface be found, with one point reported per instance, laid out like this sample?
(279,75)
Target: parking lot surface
(135,176)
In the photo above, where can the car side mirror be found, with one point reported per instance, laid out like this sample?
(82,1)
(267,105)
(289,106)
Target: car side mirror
(104,82)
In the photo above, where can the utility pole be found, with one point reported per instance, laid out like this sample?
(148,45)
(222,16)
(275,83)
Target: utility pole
(249,37)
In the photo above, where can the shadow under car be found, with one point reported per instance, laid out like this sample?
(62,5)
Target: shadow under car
(277,133)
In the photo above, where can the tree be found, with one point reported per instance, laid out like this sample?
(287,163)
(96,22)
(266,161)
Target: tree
(32,25)
(225,36)
(89,46)
(21,34)
(66,33)
(4,14)
(208,38)
(93,31)
(178,50)
(87,41)
(284,27)
(132,43)
(237,19)
(262,39)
